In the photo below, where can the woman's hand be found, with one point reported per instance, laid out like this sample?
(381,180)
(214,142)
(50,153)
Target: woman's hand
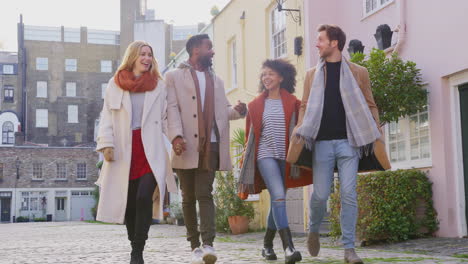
(108,154)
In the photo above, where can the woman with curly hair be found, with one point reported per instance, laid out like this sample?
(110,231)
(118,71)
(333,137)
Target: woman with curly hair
(272,116)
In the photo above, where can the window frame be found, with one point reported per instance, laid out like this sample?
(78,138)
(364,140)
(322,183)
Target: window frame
(379,6)
(408,162)
(37,170)
(8,66)
(61,171)
(105,68)
(45,113)
(68,88)
(71,65)
(44,66)
(280,33)
(8,137)
(7,90)
(72,109)
(41,89)
(81,171)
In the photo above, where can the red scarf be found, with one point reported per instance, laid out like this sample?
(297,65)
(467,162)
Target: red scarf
(127,81)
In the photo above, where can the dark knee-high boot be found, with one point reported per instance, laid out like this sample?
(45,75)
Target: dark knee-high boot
(291,255)
(267,252)
(136,257)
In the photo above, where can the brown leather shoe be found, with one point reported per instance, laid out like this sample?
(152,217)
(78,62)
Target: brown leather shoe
(313,243)
(350,256)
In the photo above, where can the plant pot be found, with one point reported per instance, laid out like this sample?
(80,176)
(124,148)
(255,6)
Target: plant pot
(239,224)
(180,222)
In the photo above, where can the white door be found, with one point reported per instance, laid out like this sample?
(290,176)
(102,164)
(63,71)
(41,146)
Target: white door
(60,209)
(81,204)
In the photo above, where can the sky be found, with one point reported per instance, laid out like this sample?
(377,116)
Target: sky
(94,14)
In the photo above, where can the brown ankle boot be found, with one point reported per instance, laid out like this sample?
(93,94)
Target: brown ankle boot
(313,243)
(350,256)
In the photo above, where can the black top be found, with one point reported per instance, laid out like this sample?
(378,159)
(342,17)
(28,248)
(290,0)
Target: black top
(333,124)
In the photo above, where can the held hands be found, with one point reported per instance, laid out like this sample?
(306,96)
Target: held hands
(178,145)
(108,154)
(241,108)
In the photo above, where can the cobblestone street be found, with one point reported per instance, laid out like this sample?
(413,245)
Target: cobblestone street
(77,242)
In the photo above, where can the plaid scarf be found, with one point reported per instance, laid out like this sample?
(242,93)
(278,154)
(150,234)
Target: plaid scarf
(360,125)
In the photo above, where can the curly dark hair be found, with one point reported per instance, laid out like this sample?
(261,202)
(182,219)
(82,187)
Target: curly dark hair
(285,69)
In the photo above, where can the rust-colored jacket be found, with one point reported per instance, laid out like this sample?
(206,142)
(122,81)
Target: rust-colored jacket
(255,117)
(379,159)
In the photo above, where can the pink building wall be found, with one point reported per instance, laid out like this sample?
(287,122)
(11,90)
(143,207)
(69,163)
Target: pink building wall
(436,40)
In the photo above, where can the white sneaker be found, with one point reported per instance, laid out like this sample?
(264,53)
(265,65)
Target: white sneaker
(209,255)
(197,256)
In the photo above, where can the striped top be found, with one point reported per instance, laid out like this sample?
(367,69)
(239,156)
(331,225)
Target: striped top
(272,139)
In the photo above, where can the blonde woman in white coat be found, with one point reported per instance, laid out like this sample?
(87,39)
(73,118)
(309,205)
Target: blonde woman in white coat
(131,137)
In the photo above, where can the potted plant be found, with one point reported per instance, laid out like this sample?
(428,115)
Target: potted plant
(176,212)
(233,214)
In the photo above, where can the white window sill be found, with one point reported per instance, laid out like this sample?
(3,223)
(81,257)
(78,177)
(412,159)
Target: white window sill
(417,164)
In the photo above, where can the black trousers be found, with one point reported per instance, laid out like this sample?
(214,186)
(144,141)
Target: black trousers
(139,211)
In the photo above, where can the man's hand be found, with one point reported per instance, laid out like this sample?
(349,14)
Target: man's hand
(108,154)
(241,108)
(178,145)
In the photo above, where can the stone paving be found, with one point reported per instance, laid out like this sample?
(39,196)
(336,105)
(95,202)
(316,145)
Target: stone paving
(78,242)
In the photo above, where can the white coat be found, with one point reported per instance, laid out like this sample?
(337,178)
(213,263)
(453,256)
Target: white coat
(115,131)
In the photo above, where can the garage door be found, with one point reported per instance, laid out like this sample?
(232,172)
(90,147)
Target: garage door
(81,204)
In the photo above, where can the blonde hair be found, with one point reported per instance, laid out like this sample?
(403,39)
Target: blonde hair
(131,55)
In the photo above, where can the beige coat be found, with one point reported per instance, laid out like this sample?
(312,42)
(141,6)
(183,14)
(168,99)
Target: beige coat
(183,121)
(361,75)
(115,131)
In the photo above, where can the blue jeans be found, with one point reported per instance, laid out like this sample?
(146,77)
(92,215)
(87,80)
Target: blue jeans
(327,153)
(272,171)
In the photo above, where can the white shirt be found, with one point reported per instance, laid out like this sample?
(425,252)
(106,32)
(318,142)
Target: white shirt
(202,84)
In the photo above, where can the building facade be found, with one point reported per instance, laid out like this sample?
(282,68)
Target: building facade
(67,72)
(434,140)
(53,183)
(10,98)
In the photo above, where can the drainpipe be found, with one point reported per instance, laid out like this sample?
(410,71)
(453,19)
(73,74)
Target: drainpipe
(401,28)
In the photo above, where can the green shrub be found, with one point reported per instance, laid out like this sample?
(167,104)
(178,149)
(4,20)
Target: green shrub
(40,219)
(393,206)
(22,219)
(227,202)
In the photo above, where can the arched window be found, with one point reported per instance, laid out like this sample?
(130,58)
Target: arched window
(8,134)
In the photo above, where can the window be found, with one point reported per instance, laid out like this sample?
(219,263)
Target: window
(1,172)
(41,89)
(8,133)
(37,171)
(60,203)
(8,69)
(278,33)
(42,118)
(33,201)
(42,64)
(72,114)
(72,35)
(61,171)
(233,65)
(106,66)
(103,90)
(8,93)
(81,171)
(103,37)
(409,143)
(70,65)
(70,89)
(372,6)
(42,33)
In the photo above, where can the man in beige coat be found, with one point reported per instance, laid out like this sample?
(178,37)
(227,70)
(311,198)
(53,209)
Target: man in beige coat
(198,124)
(339,122)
